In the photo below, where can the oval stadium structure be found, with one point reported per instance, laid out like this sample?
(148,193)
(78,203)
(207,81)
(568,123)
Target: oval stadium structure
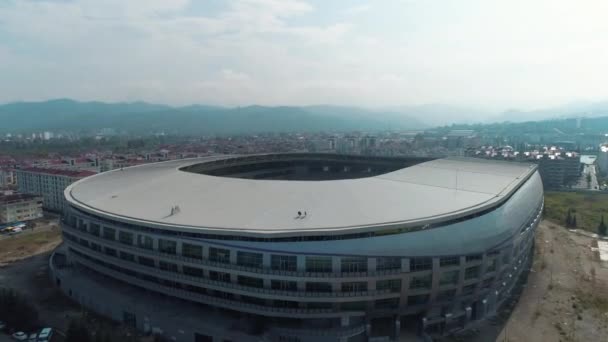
(300,247)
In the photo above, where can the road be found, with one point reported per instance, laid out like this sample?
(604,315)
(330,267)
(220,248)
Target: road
(582,182)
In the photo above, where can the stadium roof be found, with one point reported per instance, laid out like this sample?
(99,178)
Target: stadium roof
(425,193)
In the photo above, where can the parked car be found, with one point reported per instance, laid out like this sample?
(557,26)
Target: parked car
(33,337)
(2,325)
(20,336)
(45,335)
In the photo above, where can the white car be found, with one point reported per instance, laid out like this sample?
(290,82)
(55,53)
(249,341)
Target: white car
(2,325)
(20,336)
(33,337)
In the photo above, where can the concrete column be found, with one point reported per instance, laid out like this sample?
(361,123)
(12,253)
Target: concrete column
(436,275)
(397,327)
(205,252)
(233,256)
(371,265)
(301,263)
(267,284)
(266,260)
(178,247)
(468,313)
(345,321)
(405,265)
(336,265)
(405,285)
(155,244)
(463,267)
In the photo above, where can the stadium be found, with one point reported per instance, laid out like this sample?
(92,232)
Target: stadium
(300,247)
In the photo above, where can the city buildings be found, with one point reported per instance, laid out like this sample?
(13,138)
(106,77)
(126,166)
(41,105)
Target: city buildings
(7,178)
(19,208)
(299,247)
(602,159)
(558,168)
(49,183)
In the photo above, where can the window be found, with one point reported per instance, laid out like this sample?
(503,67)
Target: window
(421,264)
(474,257)
(389,303)
(446,295)
(358,306)
(417,300)
(318,264)
(219,255)
(284,285)
(145,242)
(248,259)
(167,246)
(250,281)
(146,261)
(84,242)
(127,256)
(192,251)
(356,286)
(94,229)
(354,264)
(285,304)
(110,251)
(167,266)
(468,290)
(449,261)
(487,283)
(491,265)
(109,233)
(219,276)
(394,285)
(314,305)
(421,282)
(449,278)
(472,272)
(388,264)
(125,237)
(283,262)
(192,271)
(95,246)
(318,287)
(506,257)
(253,300)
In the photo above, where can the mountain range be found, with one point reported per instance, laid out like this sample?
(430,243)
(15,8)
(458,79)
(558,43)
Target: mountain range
(141,117)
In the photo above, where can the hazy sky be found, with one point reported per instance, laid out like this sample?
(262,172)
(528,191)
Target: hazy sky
(492,53)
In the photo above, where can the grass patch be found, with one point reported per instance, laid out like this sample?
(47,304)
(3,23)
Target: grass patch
(588,207)
(27,242)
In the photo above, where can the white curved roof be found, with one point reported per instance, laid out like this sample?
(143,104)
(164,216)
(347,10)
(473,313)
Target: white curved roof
(425,193)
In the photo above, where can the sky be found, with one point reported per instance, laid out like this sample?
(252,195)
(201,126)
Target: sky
(496,54)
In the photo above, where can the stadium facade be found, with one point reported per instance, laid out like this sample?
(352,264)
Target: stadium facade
(300,247)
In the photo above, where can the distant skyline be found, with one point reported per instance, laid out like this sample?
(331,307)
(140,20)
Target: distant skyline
(493,55)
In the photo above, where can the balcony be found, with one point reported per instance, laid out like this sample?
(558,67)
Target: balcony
(240,289)
(214,301)
(222,267)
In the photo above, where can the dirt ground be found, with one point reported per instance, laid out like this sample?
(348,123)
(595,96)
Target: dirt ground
(566,297)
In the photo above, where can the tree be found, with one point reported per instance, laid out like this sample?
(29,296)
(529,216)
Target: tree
(601,229)
(77,332)
(17,311)
(569,218)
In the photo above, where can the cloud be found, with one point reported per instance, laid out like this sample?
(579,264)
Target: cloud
(502,53)
(231,75)
(358,9)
